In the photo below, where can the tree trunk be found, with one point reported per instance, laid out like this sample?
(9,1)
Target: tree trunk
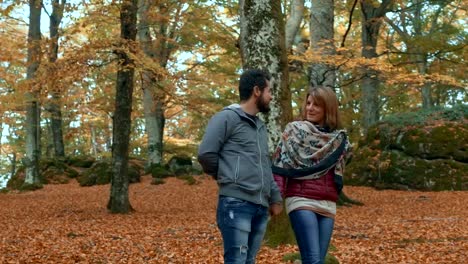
(421,56)
(426,89)
(153,97)
(422,27)
(13,165)
(93,142)
(119,201)
(1,132)
(294,21)
(49,152)
(108,135)
(154,122)
(262,43)
(322,42)
(54,106)
(372,18)
(31,161)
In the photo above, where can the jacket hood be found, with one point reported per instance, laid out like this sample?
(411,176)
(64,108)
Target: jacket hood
(238,110)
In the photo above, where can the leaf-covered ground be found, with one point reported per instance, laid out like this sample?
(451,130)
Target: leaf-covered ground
(175,223)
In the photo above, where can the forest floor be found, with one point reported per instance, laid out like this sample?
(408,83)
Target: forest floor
(175,223)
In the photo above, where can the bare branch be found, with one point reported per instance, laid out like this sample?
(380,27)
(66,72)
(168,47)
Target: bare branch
(349,24)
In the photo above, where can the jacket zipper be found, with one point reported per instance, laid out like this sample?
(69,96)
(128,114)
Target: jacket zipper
(236,175)
(261,165)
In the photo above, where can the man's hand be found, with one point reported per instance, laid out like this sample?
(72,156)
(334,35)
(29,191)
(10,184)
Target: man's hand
(276,208)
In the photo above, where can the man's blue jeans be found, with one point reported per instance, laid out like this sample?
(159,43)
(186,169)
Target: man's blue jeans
(313,233)
(242,225)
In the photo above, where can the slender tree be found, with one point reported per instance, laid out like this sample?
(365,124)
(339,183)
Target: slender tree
(158,50)
(427,33)
(121,126)
(31,161)
(262,44)
(372,17)
(294,21)
(322,42)
(54,105)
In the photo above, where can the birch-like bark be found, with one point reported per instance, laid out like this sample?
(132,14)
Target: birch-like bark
(262,43)
(294,21)
(31,161)
(153,100)
(322,42)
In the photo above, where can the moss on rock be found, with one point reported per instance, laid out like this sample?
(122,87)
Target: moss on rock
(429,155)
(51,171)
(80,161)
(56,171)
(159,171)
(100,173)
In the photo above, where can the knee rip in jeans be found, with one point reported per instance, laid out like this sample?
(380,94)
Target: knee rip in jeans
(243,249)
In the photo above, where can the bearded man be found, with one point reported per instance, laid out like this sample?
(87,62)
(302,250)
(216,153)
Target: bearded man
(234,150)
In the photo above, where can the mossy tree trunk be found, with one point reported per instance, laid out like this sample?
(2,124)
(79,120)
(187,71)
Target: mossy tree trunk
(262,44)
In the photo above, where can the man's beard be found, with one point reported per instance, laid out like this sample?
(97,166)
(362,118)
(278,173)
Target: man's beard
(263,107)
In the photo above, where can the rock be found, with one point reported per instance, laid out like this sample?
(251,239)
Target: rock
(430,155)
(80,161)
(180,165)
(51,171)
(101,173)
(159,171)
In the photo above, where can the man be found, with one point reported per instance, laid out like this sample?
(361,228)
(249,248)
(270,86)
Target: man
(234,150)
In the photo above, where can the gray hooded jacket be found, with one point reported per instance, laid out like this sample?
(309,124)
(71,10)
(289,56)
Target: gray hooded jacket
(234,150)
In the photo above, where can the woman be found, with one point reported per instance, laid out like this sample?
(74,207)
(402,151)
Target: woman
(308,168)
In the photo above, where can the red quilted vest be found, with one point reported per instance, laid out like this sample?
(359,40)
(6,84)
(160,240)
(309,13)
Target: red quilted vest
(323,188)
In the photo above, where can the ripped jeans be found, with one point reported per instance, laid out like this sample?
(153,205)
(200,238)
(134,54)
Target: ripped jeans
(242,225)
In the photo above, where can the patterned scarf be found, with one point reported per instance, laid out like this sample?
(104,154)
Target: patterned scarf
(305,152)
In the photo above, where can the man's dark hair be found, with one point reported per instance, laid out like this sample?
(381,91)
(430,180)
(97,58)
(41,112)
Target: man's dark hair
(251,78)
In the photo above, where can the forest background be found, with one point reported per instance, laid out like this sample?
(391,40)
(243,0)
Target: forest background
(102,80)
(386,57)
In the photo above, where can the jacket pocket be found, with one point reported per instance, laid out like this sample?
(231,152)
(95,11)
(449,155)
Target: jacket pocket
(248,175)
(233,202)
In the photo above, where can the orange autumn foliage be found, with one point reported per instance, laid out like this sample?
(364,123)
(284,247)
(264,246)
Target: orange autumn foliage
(175,223)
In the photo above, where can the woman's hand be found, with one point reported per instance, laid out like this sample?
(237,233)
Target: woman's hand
(276,208)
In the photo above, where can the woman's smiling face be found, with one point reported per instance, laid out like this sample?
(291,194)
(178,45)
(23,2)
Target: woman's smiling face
(314,113)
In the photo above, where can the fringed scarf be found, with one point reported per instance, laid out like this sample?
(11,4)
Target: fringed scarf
(305,152)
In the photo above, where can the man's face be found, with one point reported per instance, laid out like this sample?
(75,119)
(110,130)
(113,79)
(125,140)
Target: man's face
(263,102)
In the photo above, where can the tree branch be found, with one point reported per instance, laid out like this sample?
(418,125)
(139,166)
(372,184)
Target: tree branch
(349,24)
